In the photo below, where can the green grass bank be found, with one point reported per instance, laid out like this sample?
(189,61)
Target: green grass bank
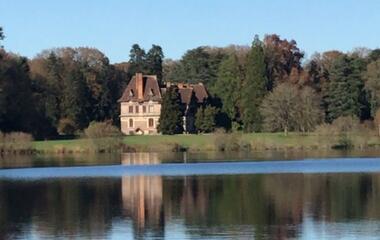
(217,142)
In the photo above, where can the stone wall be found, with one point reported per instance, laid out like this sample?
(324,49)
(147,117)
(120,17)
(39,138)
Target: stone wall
(140,118)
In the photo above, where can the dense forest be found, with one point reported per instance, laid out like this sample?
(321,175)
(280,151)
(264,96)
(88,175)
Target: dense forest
(268,86)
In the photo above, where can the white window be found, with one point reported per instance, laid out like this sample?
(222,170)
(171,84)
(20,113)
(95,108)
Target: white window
(150,108)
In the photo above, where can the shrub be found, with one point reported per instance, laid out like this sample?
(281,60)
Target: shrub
(230,142)
(103,136)
(101,130)
(15,142)
(66,126)
(342,130)
(346,124)
(377,121)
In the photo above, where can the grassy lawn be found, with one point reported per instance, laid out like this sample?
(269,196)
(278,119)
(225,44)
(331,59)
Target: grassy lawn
(210,142)
(51,145)
(183,140)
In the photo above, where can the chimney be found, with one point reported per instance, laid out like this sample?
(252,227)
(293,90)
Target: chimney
(139,86)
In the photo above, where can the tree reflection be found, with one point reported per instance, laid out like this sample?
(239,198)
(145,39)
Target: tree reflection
(272,206)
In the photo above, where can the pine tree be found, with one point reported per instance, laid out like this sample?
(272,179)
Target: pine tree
(154,60)
(16,100)
(205,119)
(254,87)
(53,87)
(137,60)
(1,35)
(228,86)
(171,121)
(75,103)
(345,89)
(199,118)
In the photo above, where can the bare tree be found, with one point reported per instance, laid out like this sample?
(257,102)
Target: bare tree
(289,108)
(279,108)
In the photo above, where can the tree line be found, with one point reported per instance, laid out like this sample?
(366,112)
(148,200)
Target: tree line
(267,86)
(61,91)
(271,87)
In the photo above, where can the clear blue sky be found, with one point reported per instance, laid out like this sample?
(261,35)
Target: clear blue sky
(178,25)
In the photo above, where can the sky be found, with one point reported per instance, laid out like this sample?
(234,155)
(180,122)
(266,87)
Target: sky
(112,26)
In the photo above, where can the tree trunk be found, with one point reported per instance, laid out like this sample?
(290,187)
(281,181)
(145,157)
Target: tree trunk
(378,126)
(286,131)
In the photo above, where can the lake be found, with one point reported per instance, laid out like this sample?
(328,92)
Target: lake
(271,195)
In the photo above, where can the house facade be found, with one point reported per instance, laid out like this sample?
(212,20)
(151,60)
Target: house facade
(140,104)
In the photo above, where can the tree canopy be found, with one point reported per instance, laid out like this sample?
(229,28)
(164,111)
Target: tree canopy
(254,87)
(64,89)
(345,88)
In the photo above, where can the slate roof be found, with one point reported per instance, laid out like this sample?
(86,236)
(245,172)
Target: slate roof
(200,92)
(186,94)
(152,91)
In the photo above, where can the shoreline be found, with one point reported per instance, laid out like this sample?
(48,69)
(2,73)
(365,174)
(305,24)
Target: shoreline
(234,142)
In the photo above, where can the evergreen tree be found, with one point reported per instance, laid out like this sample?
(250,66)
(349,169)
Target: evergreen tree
(199,118)
(374,55)
(16,100)
(254,87)
(154,60)
(345,89)
(171,121)
(195,65)
(228,87)
(359,65)
(1,35)
(75,103)
(199,64)
(205,119)
(53,88)
(137,60)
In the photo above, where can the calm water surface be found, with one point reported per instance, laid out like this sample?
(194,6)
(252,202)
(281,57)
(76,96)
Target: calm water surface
(218,206)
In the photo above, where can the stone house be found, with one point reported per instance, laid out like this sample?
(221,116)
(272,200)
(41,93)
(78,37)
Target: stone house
(140,104)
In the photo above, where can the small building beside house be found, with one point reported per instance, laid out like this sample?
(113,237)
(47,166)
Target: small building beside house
(140,104)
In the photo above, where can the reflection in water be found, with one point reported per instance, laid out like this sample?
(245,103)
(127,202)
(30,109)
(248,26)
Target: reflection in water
(142,201)
(264,206)
(140,158)
(142,195)
(8,161)
(272,206)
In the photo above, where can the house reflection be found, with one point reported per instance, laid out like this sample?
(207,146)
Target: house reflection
(140,158)
(142,196)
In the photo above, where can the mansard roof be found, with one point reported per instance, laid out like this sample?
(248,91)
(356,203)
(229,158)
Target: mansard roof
(187,90)
(148,88)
